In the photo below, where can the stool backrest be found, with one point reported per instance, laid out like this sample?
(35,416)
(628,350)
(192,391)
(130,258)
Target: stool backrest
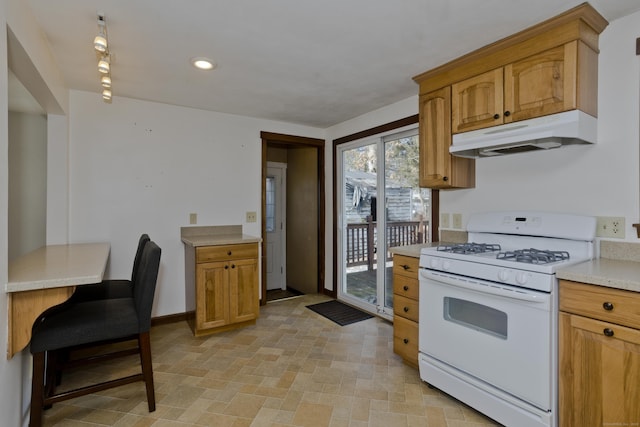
(144,284)
(136,261)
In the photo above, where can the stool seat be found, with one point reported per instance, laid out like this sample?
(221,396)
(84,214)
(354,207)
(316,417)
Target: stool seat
(86,322)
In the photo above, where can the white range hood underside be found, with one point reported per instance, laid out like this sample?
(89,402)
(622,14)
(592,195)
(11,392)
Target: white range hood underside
(541,133)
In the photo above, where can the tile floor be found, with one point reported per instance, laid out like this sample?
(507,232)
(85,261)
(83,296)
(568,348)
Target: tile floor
(293,368)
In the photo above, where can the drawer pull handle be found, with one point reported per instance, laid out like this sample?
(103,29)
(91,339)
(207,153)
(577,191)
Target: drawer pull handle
(607,306)
(229,253)
(405,266)
(405,287)
(406,309)
(608,332)
(406,340)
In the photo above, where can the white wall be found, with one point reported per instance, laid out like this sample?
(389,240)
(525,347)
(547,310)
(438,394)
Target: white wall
(601,179)
(41,70)
(27,183)
(142,167)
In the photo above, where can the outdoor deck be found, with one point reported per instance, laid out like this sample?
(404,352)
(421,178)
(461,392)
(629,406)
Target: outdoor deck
(362,284)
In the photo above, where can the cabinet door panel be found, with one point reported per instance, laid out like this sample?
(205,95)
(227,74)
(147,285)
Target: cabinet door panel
(211,295)
(541,84)
(435,138)
(477,102)
(243,290)
(601,387)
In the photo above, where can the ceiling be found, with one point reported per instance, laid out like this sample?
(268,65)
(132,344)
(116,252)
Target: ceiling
(314,63)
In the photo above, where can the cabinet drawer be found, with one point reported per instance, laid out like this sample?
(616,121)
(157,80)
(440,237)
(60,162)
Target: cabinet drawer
(226,252)
(609,305)
(405,307)
(405,339)
(405,265)
(406,286)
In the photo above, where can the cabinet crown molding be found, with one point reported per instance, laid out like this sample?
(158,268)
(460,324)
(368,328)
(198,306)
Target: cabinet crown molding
(582,23)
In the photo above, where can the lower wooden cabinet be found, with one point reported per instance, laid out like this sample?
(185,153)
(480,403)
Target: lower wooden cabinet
(405,308)
(599,356)
(226,288)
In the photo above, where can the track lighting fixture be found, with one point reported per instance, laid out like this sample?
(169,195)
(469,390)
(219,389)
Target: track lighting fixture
(103,54)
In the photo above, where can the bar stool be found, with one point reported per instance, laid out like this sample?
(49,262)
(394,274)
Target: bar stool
(72,325)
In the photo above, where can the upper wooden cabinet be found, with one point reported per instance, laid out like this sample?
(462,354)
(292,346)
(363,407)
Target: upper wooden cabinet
(546,69)
(439,169)
(556,80)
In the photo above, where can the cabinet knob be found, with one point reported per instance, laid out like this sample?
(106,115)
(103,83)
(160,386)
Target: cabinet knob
(406,340)
(226,267)
(405,287)
(507,113)
(496,116)
(608,332)
(406,309)
(445,178)
(233,266)
(405,266)
(607,306)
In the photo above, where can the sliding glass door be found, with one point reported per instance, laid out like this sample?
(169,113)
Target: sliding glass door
(380,206)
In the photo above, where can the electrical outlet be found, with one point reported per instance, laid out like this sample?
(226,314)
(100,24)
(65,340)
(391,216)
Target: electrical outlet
(457,221)
(444,220)
(252,217)
(193,218)
(610,226)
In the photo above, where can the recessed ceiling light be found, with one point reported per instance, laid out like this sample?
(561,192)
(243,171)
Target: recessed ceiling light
(203,63)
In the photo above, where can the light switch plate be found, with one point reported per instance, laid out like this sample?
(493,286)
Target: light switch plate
(193,218)
(444,220)
(457,221)
(252,216)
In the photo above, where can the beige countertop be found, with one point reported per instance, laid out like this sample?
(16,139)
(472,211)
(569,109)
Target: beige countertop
(215,236)
(411,250)
(57,266)
(612,273)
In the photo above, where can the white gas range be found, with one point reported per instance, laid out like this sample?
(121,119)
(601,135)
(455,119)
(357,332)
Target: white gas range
(488,312)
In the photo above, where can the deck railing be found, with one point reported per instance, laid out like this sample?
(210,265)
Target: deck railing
(362,239)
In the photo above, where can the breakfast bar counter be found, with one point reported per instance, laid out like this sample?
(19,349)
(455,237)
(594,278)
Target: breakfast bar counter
(46,277)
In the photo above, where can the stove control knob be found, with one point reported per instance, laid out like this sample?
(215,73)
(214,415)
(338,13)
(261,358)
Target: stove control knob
(522,278)
(446,265)
(434,263)
(503,275)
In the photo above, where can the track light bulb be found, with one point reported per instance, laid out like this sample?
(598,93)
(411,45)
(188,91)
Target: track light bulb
(106,94)
(105,81)
(103,65)
(100,42)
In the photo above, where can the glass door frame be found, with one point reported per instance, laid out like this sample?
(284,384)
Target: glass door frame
(381,221)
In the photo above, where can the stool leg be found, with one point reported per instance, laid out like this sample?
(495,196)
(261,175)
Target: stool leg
(144,343)
(37,390)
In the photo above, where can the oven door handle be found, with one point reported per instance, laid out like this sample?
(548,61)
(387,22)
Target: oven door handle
(484,287)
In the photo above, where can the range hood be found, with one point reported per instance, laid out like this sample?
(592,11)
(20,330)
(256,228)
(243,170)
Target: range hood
(541,133)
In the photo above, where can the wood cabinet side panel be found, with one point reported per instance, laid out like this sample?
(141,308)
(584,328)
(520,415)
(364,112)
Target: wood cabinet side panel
(587,79)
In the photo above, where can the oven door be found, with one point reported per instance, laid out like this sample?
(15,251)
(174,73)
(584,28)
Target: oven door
(500,335)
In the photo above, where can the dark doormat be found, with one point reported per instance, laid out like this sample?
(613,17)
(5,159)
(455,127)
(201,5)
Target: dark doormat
(338,312)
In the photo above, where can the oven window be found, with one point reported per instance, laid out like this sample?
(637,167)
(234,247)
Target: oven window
(476,316)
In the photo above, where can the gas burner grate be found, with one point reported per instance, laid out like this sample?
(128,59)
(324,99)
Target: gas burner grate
(534,256)
(469,248)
